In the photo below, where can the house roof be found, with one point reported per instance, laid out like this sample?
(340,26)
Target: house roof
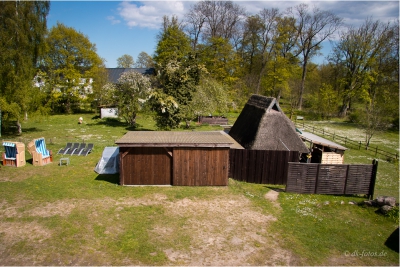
(175,139)
(115,73)
(262,125)
(315,139)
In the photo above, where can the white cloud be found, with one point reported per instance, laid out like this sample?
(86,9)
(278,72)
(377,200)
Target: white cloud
(149,14)
(113,20)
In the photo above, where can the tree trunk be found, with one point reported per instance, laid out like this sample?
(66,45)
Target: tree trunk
(278,97)
(303,79)
(343,111)
(345,107)
(260,78)
(19,128)
(132,120)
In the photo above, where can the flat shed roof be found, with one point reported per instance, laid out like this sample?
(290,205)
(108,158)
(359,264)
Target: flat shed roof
(315,139)
(176,139)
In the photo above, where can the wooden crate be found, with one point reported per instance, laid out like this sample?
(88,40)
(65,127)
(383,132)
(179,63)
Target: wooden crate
(332,158)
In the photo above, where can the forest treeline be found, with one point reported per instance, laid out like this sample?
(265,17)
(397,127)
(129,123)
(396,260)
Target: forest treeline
(208,62)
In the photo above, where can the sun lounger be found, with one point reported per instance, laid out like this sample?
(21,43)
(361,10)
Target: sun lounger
(65,149)
(72,149)
(87,150)
(78,151)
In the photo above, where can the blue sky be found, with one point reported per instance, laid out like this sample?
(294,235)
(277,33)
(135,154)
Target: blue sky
(125,27)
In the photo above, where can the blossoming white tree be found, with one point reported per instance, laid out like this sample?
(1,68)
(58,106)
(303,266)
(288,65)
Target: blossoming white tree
(129,94)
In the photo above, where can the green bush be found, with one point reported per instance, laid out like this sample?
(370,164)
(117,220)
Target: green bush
(393,214)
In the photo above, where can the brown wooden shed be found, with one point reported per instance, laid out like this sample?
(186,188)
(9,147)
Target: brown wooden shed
(174,158)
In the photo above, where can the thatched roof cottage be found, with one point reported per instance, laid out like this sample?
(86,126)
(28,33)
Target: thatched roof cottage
(262,125)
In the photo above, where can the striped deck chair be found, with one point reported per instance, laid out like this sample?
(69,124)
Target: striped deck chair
(40,154)
(14,154)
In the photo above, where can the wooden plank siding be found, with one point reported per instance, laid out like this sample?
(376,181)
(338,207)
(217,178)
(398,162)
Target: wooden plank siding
(314,178)
(200,166)
(260,166)
(145,166)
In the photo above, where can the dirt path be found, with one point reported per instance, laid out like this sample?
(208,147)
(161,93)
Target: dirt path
(222,230)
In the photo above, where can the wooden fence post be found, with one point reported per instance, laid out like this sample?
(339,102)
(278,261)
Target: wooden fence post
(373,179)
(359,146)
(316,179)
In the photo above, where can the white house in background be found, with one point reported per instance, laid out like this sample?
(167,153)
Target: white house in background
(84,88)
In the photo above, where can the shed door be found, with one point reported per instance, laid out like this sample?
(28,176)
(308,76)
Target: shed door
(145,166)
(200,166)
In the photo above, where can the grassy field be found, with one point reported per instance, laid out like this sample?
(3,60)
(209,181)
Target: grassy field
(69,215)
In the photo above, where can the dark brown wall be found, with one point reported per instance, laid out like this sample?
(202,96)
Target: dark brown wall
(186,166)
(200,166)
(260,166)
(145,166)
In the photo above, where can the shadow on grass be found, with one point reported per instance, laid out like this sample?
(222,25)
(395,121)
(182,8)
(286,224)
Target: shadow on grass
(393,241)
(111,178)
(278,188)
(12,132)
(114,122)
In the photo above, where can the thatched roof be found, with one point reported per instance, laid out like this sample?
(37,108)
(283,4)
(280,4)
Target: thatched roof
(262,125)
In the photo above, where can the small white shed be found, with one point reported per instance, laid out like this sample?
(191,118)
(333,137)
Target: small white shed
(109,113)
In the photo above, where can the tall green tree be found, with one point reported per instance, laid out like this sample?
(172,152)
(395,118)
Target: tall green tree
(178,82)
(220,59)
(313,26)
(369,65)
(214,19)
(178,75)
(22,33)
(173,43)
(125,61)
(144,60)
(210,97)
(72,64)
(358,55)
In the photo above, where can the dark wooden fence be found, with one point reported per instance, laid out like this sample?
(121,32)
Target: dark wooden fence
(313,178)
(260,166)
(389,156)
(213,120)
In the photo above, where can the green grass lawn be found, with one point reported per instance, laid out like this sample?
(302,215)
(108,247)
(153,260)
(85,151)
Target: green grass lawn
(70,215)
